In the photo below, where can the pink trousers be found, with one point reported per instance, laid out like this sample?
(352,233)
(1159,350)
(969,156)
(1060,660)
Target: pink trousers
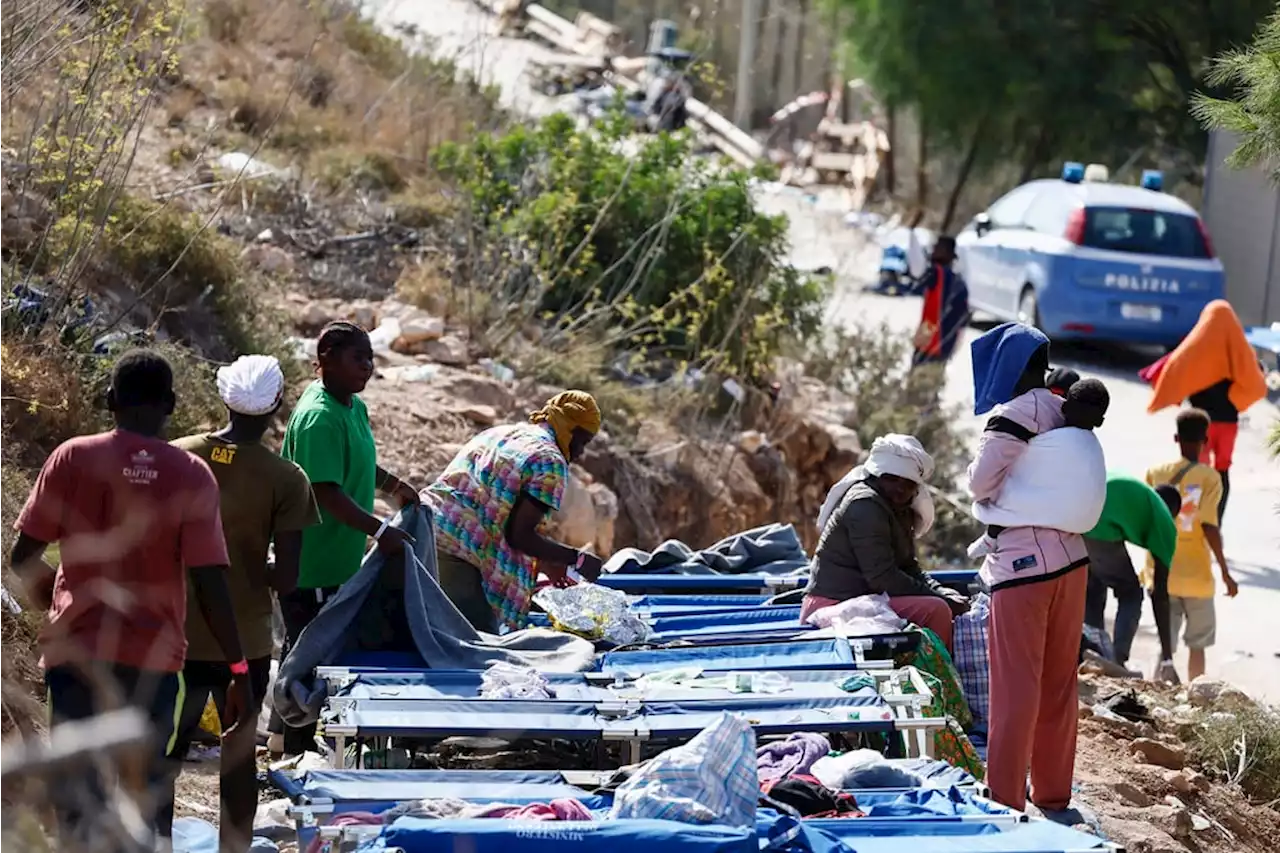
(927,611)
(1034,638)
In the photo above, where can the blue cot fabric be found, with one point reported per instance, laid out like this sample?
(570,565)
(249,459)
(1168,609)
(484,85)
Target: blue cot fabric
(931,802)
(972,658)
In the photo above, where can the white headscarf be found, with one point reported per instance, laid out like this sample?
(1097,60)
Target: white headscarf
(902,455)
(251,385)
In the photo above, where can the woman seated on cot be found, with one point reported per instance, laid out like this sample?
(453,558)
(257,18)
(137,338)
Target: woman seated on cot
(490,502)
(869,524)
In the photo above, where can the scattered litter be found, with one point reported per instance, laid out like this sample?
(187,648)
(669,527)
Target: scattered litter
(411,373)
(497,370)
(1127,704)
(10,603)
(508,681)
(382,337)
(201,754)
(271,820)
(238,164)
(193,835)
(593,611)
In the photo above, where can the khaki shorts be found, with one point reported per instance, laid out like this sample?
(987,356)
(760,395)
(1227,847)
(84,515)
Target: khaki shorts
(1201,622)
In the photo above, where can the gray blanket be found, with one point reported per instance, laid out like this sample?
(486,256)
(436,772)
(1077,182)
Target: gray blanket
(774,549)
(399,607)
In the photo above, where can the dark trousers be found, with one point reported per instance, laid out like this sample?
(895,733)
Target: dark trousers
(81,692)
(297,609)
(1111,569)
(463,585)
(238,786)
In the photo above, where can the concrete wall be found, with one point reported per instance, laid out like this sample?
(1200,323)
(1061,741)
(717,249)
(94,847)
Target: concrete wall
(1242,211)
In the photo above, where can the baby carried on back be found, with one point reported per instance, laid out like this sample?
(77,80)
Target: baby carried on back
(1038,482)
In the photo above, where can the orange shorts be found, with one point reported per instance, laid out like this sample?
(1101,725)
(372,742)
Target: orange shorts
(1221,445)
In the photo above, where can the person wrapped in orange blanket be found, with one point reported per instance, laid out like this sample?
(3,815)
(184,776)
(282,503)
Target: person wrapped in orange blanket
(1215,369)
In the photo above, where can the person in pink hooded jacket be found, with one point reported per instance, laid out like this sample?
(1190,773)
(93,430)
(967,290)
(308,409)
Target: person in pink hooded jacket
(1037,577)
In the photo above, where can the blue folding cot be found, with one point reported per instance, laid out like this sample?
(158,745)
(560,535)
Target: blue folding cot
(629,722)
(941,818)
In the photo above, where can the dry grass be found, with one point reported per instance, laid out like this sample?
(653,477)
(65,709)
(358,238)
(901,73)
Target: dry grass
(321,86)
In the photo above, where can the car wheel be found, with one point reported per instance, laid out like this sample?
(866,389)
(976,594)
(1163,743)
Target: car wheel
(1028,308)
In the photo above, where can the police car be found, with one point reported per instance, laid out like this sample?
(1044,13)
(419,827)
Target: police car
(1083,258)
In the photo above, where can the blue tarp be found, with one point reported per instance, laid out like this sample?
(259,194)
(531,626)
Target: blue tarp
(379,788)
(1040,836)
(415,835)
(849,835)
(774,549)
(660,583)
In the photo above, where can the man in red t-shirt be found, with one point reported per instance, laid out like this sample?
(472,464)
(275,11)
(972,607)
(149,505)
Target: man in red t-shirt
(131,515)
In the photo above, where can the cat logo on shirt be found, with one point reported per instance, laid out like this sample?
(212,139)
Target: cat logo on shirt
(1190,508)
(223,455)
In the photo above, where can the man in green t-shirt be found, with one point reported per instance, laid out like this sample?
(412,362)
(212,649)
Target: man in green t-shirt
(329,437)
(1133,512)
(263,498)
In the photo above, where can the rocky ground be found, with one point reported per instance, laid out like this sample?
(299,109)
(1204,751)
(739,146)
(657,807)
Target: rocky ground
(1146,779)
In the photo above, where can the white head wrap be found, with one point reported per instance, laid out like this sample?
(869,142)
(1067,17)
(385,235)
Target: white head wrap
(251,385)
(901,456)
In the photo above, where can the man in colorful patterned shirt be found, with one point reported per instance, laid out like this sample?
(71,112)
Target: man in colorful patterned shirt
(490,503)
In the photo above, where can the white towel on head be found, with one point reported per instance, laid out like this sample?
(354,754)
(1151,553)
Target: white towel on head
(900,455)
(251,385)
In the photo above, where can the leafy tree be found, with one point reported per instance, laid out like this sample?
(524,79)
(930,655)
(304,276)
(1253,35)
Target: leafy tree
(1253,75)
(1038,81)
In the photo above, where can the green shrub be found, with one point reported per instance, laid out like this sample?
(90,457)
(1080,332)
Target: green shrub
(179,262)
(665,249)
(1241,747)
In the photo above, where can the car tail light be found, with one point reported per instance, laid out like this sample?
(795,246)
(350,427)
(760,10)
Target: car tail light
(1075,227)
(1204,235)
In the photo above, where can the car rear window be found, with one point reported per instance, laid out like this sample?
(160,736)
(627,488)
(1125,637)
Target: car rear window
(1144,232)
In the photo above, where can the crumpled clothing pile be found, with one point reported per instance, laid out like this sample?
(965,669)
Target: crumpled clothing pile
(507,681)
(593,611)
(862,616)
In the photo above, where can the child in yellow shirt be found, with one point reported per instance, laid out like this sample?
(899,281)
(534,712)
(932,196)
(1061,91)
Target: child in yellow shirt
(1191,584)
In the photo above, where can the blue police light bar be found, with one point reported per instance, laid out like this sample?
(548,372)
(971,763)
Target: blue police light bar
(1152,179)
(1072,172)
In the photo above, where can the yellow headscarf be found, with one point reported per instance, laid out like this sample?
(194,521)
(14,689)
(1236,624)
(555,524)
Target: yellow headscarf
(566,411)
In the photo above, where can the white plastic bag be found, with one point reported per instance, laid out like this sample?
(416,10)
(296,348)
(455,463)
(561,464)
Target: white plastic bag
(193,835)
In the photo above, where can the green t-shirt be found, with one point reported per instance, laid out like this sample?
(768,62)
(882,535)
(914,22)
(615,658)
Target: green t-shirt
(261,495)
(332,443)
(1134,513)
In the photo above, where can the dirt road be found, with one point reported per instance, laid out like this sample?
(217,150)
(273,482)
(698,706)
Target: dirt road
(1247,652)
